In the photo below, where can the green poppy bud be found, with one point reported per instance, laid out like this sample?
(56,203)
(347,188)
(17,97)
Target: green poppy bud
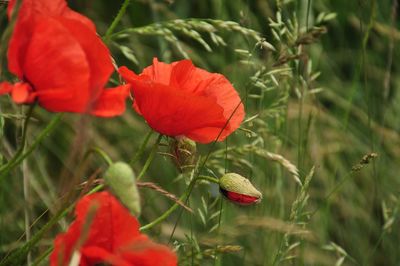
(184,152)
(238,189)
(121,179)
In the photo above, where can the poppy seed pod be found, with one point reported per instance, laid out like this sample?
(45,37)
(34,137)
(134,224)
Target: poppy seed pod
(184,152)
(121,179)
(238,189)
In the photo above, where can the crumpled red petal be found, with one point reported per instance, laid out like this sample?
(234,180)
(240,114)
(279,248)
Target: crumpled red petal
(170,110)
(5,87)
(58,63)
(29,12)
(111,102)
(113,237)
(181,99)
(58,53)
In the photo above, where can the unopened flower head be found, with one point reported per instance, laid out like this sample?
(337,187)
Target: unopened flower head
(121,179)
(239,189)
(184,152)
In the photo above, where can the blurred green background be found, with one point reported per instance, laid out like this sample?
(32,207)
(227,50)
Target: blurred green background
(319,80)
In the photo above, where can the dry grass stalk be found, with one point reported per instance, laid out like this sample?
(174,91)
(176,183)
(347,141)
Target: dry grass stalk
(165,193)
(366,159)
(222,249)
(276,225)
(282,161)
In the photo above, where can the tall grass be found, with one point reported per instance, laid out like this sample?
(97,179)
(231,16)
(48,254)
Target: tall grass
(319,82)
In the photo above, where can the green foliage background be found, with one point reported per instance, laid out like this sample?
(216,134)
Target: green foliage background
(321,99)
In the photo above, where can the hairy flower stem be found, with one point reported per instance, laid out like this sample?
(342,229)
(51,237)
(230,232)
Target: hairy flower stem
(183,198)
(116,20)
(150,158)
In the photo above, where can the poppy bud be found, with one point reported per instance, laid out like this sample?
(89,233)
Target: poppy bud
(184,152)
(121,179)
(238,189)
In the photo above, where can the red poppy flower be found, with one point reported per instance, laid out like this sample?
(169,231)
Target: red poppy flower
(105,232)
(180,99)
(61,61)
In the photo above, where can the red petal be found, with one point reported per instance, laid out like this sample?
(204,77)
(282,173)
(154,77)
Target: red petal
(159,72)
(64,244)
(144,252)
(190,96)
(111,102)
(97,54)
(214,86)
(94,255)
(113,237)
(182,73)
(240,198)
(128,75)
(112,226)
(20,93)
(5,87)
(174,112)
(30,11)
(62,83)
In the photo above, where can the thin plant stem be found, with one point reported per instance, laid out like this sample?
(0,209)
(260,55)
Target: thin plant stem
(209,178)
(203,164)
(166,214)
(116,20)
(139,153)
(150,158)
(101,153)
(26,177)
(23,139)
(8,31)
(16,257)
(13,163)
(218,257)
(42,256)
(25,181)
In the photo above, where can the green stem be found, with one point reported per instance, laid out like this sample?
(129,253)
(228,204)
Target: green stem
(116,20)
(150,158)
(23,139)
(8,31)
(95,189)
(101,153)
(14,162)
(16,257)
(139,153)
(165,215)
(209,178)
(42,256)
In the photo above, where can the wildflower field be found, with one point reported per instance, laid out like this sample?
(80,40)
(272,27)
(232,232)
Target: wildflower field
(210,132)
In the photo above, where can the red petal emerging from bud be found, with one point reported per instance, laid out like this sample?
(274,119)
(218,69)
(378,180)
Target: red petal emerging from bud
(240,198)
(239,189)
